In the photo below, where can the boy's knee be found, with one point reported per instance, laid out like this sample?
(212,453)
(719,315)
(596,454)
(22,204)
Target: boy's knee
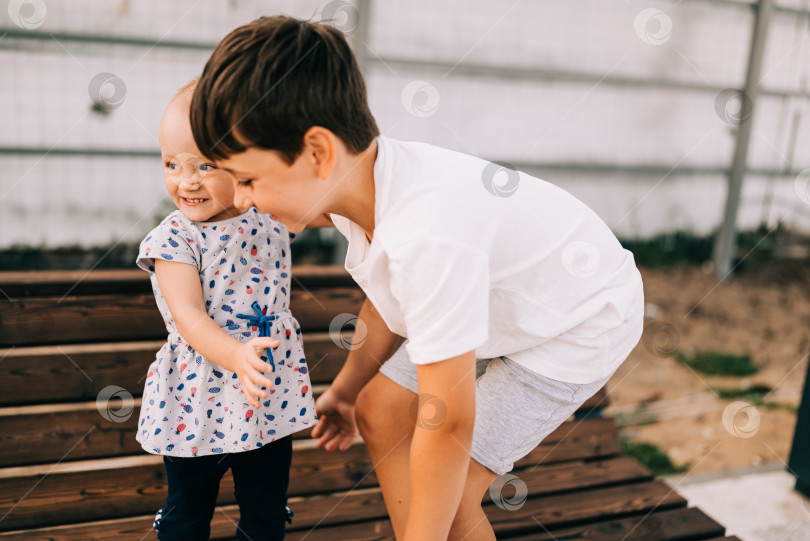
(364,412)
(382,409)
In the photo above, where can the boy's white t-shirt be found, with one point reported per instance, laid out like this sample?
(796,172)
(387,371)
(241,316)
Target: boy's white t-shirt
(467,256)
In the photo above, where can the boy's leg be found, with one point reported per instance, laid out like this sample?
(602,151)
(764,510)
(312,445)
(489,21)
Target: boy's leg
(260,479)
(193,488)
(383,418)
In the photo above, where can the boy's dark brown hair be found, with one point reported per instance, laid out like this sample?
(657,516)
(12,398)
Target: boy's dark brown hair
(269,81)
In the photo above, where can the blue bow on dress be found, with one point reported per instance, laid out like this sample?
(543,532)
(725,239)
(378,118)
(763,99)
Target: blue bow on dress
(264,323)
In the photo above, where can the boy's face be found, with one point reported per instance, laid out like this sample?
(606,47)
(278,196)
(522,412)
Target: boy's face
(292,194)
(202,192)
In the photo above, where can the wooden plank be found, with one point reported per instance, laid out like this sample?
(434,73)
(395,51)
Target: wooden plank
(128,281)
(73,372)
(596,504)
(75,431)
(361,504)
(112,488)
(116,488)
(678,524)
(99,318)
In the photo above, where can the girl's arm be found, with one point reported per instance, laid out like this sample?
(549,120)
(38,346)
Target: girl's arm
(440,450)
(335,408)
(180,285)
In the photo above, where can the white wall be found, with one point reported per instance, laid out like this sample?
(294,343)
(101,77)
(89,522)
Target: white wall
(54,200)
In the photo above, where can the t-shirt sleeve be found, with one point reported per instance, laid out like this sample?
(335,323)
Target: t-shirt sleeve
(442,287)
(169,243)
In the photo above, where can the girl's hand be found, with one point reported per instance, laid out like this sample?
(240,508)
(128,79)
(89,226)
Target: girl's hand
(248,365)
(336,428)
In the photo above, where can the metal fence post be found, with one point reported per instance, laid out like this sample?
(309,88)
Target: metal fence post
(725,243)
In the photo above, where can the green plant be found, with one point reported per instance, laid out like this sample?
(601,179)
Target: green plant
(720,364)
(651,456)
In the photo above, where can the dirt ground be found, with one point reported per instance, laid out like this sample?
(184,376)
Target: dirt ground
(763,312)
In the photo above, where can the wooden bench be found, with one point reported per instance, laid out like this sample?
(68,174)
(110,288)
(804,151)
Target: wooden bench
(70,472)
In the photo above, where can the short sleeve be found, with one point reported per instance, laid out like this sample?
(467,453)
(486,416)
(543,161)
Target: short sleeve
(167,242)
(442,287)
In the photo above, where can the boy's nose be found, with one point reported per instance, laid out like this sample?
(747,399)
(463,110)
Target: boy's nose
(241,201)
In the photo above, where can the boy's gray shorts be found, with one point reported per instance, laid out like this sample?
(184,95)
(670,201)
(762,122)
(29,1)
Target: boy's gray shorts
(515,408)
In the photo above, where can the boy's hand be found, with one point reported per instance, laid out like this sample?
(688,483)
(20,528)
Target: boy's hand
(248,366)
(336,428)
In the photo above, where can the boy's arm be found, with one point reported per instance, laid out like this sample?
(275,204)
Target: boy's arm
(337,427)
(180,285)
(440,450)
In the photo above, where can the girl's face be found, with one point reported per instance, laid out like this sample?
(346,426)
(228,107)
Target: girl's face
(202,192)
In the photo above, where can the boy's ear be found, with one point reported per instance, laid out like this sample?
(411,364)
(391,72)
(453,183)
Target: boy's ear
(320,145)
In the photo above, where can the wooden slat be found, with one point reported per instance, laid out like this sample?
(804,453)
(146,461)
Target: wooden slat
(77,431)
(115,490)
(97,489)
(662,525)
(99,318)
(356,505)
(80,371)
(129,281)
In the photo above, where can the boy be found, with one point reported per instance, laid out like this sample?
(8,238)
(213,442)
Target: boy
(516,307)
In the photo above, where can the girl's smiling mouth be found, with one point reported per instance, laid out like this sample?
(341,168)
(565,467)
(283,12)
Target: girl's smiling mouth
(196,201)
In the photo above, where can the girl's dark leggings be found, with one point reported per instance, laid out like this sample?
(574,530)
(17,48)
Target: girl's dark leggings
(260,479)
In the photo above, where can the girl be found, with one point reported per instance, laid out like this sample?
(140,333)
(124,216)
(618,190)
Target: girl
(230,385)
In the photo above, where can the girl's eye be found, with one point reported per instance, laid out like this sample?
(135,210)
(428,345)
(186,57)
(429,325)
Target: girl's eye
(207,167)
(172,166)
(245,182)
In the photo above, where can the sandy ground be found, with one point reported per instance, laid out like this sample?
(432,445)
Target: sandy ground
(765,313)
